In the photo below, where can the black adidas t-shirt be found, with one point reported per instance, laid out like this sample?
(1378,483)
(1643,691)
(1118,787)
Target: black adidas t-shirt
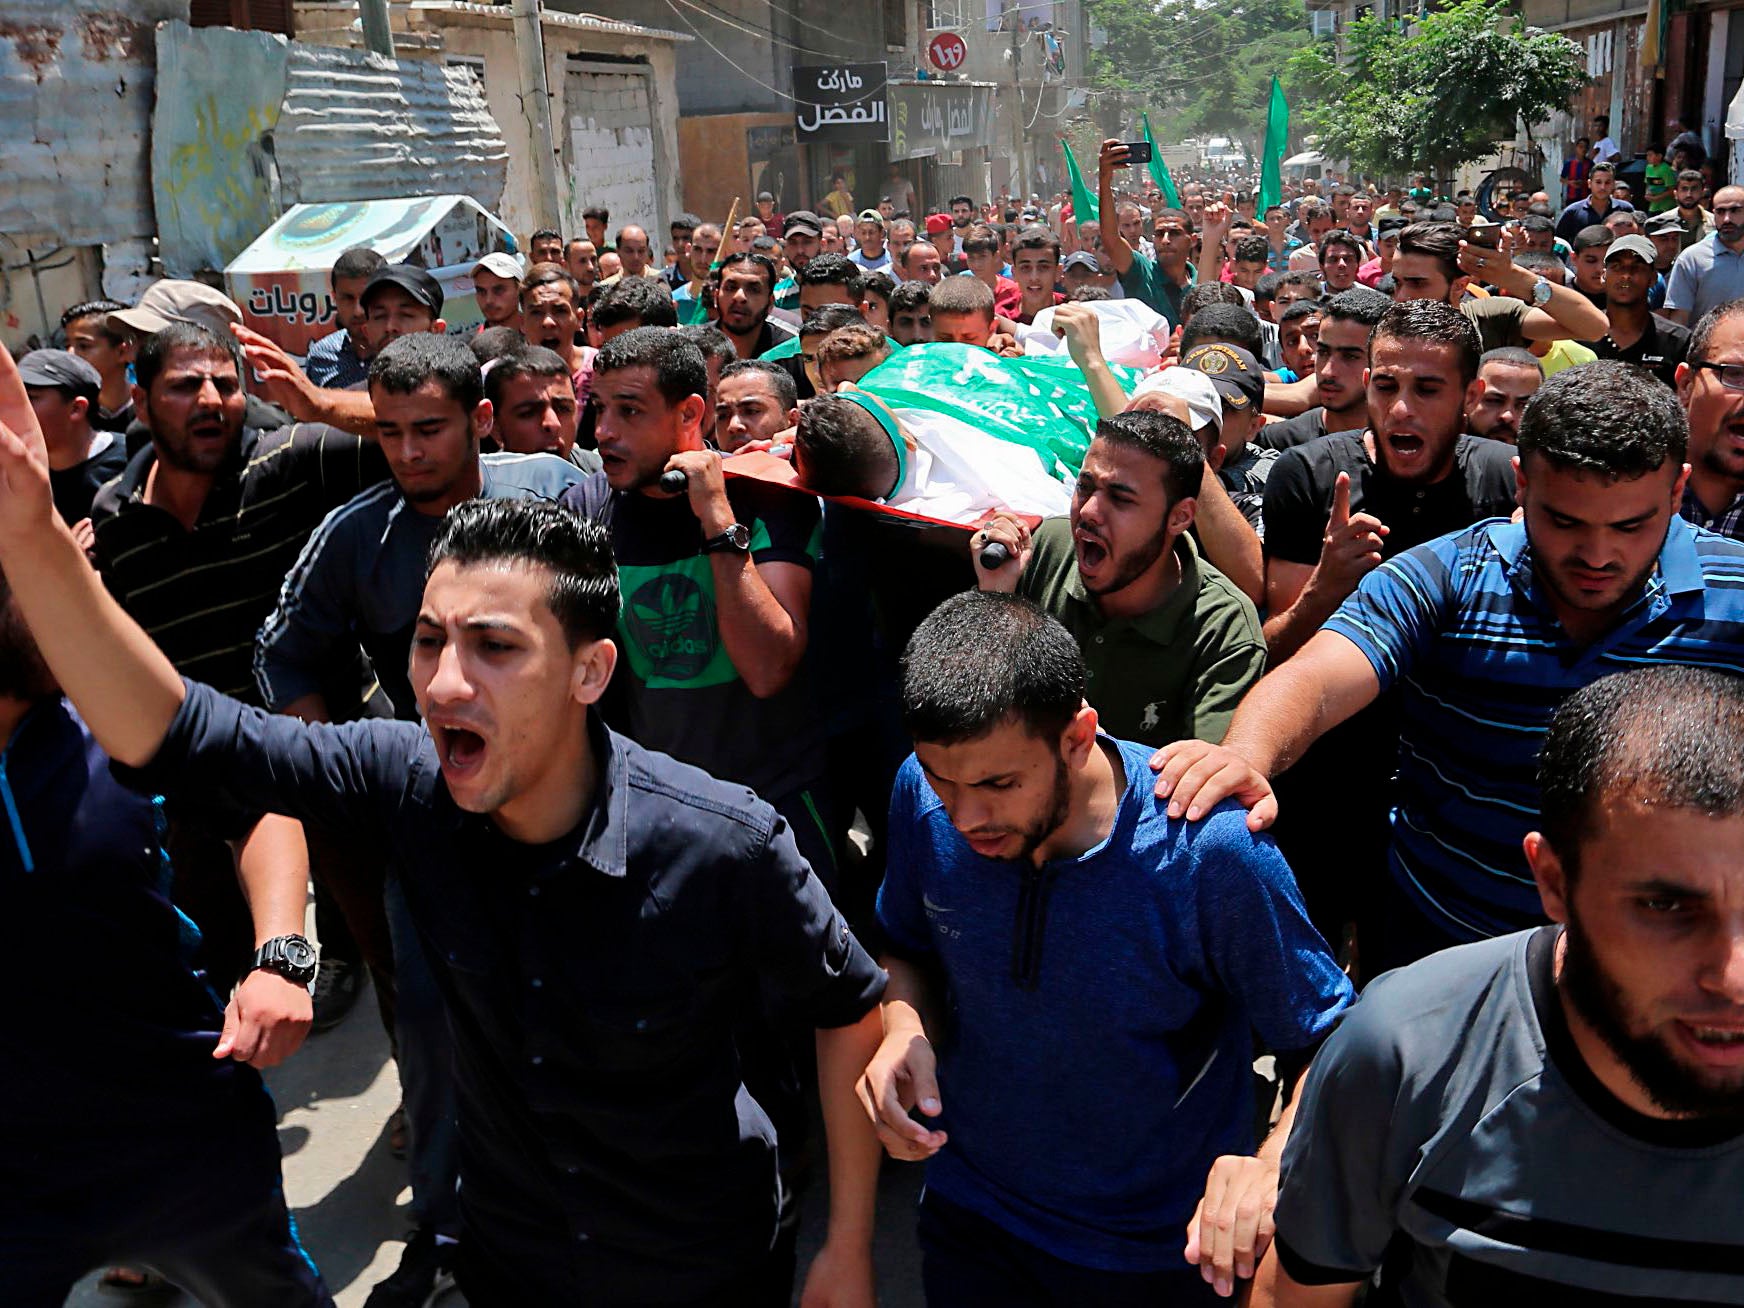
(676,689)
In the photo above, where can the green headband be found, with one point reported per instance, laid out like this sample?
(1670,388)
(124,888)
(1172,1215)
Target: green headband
(887,425)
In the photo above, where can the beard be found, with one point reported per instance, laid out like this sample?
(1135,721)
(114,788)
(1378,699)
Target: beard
(1059,808)
(1667,1080)
(176,448)
(1132,566)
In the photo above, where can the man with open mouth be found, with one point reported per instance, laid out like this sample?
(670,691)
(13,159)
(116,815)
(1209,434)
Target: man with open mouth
(594,912)
(1612,1042)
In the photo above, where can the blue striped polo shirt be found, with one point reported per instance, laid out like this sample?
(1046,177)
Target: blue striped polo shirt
(1463,629)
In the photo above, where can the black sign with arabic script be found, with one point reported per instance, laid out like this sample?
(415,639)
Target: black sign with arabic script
(840,102)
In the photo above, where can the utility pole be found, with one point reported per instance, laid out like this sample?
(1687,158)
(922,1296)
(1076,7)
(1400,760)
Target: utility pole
(536,110)
(1020,184)
(378,37)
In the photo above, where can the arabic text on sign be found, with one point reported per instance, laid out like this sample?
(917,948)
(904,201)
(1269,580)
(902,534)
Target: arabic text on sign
(824,114)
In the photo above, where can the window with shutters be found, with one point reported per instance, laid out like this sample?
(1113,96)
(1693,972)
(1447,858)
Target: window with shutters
(251,15)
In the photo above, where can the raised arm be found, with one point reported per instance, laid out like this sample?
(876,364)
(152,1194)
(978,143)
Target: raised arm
(1568,315)
(123,686)
(1113,156)
(288,386)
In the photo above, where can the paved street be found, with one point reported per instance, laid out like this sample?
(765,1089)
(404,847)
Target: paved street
(350,1196)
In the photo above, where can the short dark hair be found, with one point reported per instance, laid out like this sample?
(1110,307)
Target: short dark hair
(1208,293)
(645,300)
(711,340)
(1185,217)
(358,261)
(1609,418)
(1037,237)
(1602,168)
(880,284)
(598,212)
(829,318)
(1537,223)
(981,239)
(678,366)
(494,342)
(1358,304)
(1594,236)
(963,295)
(1339,236)
(841,449)
(1266,288)
(407,362)
(1306,277)
(962,199)
(155,350)
(833,270)
(1439,240)
(688,222)
(1514,356)
(1253,249)
(522,361)
(551,274)
(983,659)
(541,534)
(1692,175)
(780,380)
(1702,334)
(100,309)
(909,296)
(742,258)
(1671,736)
(544,234)
(1230,323)
(1436,322)
(1162,437)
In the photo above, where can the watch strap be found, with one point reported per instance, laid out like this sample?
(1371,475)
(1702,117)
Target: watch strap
(737,538)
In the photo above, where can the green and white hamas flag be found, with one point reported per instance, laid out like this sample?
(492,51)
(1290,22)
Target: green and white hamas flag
(1039,403)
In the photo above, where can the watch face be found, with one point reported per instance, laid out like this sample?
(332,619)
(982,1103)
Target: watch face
(740,535)
(299,954)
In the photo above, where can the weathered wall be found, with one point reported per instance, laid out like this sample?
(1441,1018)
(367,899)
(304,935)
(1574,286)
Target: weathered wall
(258,123)
(715,162)
(76,79)
(575,50)
(211,168)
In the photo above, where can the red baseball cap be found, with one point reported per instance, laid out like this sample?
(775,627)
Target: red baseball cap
(936,223)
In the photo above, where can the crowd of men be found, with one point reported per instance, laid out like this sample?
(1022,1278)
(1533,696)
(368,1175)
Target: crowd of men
(1371,703)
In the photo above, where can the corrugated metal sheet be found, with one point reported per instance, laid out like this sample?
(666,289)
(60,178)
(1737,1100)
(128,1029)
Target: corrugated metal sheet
(356,126)
(76,79)
(590,22)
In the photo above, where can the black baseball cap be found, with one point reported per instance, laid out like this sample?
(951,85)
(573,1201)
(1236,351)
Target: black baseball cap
(61,369)
(1237,375)
(803,220)
(411,279)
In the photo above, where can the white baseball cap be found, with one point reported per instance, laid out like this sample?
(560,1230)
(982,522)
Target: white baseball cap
(1193,388)
(503,265)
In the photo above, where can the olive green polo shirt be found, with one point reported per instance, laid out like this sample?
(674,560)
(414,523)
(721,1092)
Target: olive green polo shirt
(1174,673)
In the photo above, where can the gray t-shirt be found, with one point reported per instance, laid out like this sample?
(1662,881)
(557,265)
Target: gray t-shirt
(1452,1139)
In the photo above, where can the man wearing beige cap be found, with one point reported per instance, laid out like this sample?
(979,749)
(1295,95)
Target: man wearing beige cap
(1637,334)
(496,285)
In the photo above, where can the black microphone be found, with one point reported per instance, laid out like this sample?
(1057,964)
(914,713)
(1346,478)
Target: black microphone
(674,482)
(995,555)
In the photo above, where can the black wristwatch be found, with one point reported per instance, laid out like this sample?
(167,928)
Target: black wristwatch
(736,538)
(291,957)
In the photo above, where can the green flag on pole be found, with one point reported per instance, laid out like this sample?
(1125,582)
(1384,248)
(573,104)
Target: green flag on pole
(1083,202)
(1159,169)
(1277,141)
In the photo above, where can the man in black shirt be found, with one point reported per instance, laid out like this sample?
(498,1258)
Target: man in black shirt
(1638,335)
(1350,500)
(596,912)
(1345,503)
(744,295)
(64,393)
(1341,361)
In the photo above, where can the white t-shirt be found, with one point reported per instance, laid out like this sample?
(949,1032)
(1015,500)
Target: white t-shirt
(1606,150)
(880,264)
